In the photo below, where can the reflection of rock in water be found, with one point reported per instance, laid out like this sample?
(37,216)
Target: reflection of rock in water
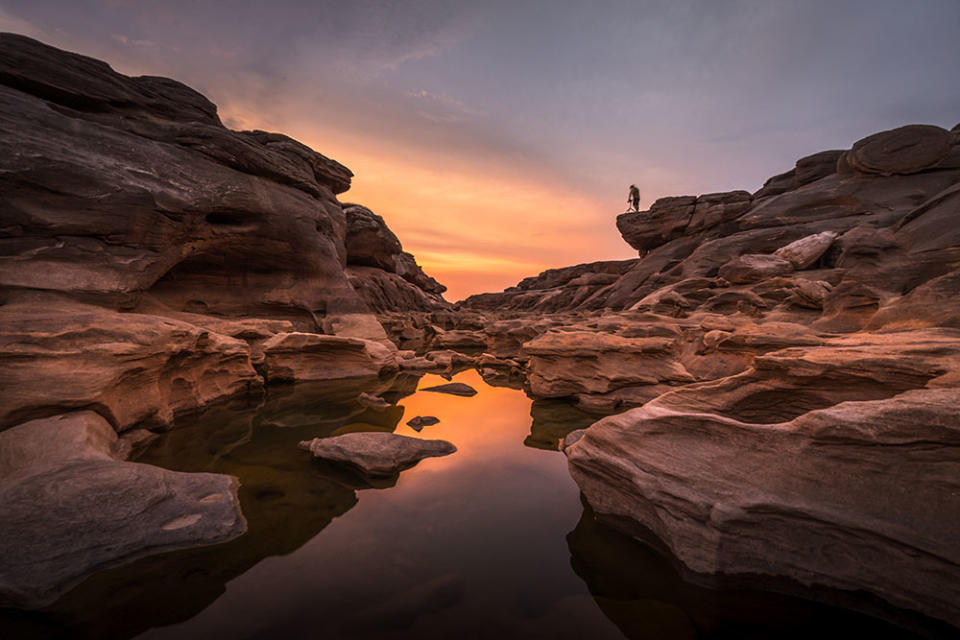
(284,497)
(553,420)
(642,592)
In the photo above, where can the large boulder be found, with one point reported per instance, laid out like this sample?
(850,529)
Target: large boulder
(804,252)
(369,241)
(908,149)
(832,464)
(666,219)
(755,267)
(567,363)
(855,496)
(71,507)
(117,188)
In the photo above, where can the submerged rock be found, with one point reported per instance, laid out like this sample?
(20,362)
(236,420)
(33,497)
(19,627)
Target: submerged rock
(418,423)
(377,454)
(71,507)
(454,388)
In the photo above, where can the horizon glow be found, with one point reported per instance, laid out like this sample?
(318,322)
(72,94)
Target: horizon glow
(499,140)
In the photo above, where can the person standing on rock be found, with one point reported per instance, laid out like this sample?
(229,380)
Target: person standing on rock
(634,198)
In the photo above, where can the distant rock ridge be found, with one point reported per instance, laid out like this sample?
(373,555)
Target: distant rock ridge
(779,371)
(872,193)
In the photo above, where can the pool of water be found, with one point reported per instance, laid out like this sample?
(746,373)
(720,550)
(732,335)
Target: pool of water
(490,542)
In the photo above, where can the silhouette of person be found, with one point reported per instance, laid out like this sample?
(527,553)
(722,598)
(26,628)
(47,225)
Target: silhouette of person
(634,198)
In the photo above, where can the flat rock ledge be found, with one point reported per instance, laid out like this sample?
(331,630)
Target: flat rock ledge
(377,454)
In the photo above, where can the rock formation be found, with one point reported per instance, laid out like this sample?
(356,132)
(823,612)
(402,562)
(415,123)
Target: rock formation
(778,370)
(154,263)
(71,506)
(377,454)
(793,359)
(169,258)
(382,273)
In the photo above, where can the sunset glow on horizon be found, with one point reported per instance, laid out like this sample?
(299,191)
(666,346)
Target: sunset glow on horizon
(498,139)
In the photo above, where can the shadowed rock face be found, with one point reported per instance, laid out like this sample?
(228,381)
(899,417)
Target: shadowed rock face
(385,276)
(154,263)
(71,507)
(115,188)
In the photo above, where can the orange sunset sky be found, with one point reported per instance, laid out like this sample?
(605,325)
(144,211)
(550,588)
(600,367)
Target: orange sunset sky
(498,139)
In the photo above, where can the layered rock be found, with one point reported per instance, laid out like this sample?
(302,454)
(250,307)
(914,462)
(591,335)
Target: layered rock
(153,263)
(382,273)
(295,357)
(834,199)
(133,369)
(855,496)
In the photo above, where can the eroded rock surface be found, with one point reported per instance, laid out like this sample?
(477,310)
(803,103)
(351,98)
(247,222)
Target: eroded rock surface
(377,454)
(382,273)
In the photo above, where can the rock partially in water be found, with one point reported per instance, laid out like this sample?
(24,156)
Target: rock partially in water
(832,465)
(372,402)
(137,369)
(418,423)
(71,508)
(290,357)
(566,363)
(455,389)
(377,454)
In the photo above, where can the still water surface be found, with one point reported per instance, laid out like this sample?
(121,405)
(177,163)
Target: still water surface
(490,542)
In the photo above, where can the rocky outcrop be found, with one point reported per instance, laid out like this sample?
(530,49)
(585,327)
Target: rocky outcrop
(296,357)
(154,263)
(116,188)
(793,358)
(852,496)
(570,363)
(133,369)
(382,273)
(377,454)
(882,187)
(554,289)
(72,507)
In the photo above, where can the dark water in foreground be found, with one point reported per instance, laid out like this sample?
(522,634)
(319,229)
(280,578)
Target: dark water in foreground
(490,542)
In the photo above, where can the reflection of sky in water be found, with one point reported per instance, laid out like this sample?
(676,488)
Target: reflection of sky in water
(475,539)
(490,542)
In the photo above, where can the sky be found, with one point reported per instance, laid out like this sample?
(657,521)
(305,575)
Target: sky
(498,138)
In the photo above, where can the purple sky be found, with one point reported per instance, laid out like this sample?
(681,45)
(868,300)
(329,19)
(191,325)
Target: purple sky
(498,138)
